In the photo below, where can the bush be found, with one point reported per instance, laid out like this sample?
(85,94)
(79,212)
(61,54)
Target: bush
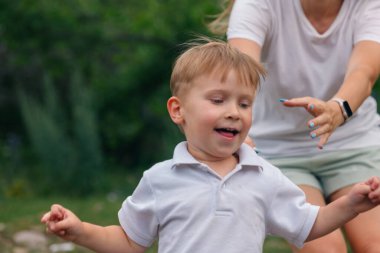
(66,142)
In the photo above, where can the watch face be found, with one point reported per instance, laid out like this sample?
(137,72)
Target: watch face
(347,108)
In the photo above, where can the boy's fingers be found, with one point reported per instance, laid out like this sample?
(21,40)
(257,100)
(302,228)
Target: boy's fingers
(373,182)
(57,209)
(374,194)
(45,217)
(57,212)
(363,189)
(57,227)
(62,225)
(50,227)
(54,213)
(374,197)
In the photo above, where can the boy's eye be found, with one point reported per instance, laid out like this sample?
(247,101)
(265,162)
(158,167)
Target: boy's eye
(245,104)
(217,100)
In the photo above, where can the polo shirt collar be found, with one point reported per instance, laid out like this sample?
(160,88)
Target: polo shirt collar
(182,156)
(247,156)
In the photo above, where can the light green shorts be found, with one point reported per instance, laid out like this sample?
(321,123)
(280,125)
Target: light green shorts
(333,170)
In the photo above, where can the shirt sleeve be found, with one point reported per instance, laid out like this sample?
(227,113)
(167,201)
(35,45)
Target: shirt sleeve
(368,21)
(137,215)
(249,19)
(289,215)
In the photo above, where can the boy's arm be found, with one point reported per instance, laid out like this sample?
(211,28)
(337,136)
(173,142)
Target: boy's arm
(361,198)
(67,225)
(107,239)
(331,217)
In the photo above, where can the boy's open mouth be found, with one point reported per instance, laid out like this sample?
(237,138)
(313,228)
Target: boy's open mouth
(229,132)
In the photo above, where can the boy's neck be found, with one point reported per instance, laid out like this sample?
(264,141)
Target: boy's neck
(224,166)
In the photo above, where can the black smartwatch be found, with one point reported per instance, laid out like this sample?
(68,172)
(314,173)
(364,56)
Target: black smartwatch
(344,106)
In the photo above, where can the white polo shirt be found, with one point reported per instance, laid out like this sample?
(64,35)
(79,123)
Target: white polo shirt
(301,62)
(189,208)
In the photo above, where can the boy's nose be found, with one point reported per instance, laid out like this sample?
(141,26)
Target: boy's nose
(233,112)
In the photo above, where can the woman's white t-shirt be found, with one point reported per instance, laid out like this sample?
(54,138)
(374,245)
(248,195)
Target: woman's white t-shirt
(301,62)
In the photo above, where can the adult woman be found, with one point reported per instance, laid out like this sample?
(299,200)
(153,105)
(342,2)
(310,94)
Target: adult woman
(323,56)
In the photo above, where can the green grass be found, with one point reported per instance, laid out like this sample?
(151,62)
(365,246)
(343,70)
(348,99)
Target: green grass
(25,214)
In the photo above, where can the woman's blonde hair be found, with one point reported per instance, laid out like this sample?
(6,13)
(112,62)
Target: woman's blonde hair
(213,57)
(219,25)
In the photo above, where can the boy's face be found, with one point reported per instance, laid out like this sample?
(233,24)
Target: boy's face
(214,116)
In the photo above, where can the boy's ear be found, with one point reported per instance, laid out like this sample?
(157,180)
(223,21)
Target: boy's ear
(174,109)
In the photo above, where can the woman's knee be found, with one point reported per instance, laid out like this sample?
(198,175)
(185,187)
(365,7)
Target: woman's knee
(370,247)
(333,243)
(363,232)
(332,247)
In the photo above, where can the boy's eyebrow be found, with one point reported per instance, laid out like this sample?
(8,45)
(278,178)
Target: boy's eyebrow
(244,96)
(250,97)
(215,90)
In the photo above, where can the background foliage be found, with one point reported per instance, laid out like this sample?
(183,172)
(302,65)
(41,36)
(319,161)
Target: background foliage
(83,90)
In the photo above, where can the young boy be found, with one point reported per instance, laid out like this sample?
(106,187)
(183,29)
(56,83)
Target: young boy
(216,195)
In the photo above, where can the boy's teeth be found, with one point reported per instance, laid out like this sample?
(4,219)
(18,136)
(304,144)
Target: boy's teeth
(228,130)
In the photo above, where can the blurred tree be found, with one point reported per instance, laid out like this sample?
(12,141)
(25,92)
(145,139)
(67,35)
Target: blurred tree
(68,145)
(124,51)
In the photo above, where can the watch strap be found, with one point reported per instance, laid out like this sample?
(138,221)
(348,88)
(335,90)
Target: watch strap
(344,106)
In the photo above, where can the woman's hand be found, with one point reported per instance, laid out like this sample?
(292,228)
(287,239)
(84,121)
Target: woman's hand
(327,116)
(248,140)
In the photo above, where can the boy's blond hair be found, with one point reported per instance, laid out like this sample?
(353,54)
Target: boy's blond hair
(207,57)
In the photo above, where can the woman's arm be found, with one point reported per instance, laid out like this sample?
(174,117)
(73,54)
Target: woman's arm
(249,47)
(362,72)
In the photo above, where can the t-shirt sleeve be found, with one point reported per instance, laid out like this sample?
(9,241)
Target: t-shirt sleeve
(368,22)
(137,215)
(249,19)
(289,215)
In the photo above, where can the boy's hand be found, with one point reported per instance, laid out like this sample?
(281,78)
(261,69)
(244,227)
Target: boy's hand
(365,196)
(63,223)
(374,195)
